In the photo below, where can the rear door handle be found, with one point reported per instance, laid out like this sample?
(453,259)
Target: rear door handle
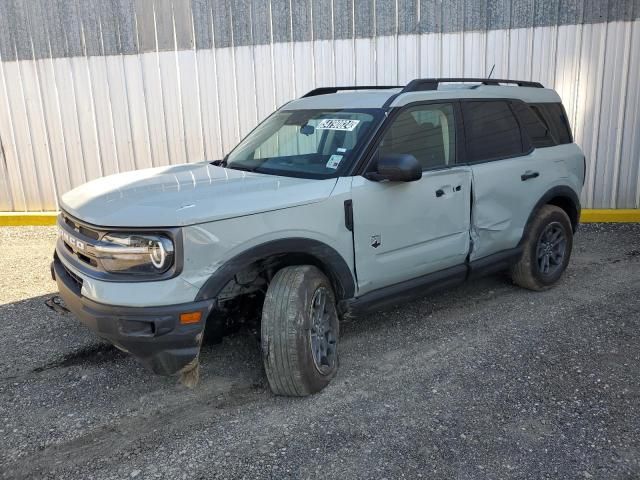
(529,174)
(439,193)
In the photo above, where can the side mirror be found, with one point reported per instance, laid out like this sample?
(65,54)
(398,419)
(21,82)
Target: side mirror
(396,167)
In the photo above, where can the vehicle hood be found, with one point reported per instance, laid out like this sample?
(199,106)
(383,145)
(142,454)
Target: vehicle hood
(187,194)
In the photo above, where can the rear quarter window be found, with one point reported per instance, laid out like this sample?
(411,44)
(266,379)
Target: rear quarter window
(535,125)
(557,121)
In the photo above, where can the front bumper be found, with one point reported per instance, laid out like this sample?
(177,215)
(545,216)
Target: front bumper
(154,335)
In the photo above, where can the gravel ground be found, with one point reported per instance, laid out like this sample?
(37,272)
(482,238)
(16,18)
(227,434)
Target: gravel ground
(482,381)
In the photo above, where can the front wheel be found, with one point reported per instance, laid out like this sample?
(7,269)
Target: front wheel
(299,331)
(546,251)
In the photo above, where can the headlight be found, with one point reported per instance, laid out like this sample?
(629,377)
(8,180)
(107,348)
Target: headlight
(135,253)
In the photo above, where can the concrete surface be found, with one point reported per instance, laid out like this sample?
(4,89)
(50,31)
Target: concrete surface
(483,381)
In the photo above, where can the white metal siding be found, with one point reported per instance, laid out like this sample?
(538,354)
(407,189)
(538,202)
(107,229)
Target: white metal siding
(66,120)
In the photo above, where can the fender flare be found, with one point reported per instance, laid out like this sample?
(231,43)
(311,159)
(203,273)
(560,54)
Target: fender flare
(555,192)
(326,258)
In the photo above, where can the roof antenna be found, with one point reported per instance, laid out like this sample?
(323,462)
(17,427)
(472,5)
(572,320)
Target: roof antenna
(491,72)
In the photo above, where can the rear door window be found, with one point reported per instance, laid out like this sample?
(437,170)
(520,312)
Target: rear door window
(492,131)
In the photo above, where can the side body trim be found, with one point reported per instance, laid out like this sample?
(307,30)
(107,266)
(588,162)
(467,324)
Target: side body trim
(430,283)
(493,263)
(404,291)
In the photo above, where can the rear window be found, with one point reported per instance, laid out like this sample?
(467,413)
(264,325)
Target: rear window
(491,130)
(556,119)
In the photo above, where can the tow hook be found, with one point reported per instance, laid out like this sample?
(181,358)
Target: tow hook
(56,304)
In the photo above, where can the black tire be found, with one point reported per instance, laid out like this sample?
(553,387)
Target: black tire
(291,333)
(529,272)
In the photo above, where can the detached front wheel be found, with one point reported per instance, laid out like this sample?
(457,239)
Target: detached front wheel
(300,330)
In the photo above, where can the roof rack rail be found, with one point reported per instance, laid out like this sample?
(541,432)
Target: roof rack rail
(327,90)
(422,84)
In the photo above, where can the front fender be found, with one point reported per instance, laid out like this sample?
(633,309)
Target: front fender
(326,257)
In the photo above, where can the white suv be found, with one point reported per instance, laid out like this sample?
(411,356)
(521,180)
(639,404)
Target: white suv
(341,201)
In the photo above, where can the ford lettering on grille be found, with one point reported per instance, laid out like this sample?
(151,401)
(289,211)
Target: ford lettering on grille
(71,241)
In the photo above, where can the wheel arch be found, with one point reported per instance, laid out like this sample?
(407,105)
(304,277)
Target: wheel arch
(286,252)
(563,197)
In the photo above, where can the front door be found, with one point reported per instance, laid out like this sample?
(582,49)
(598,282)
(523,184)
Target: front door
(403,230)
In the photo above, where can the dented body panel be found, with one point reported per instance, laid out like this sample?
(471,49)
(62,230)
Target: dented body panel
(212,245)
(502,201)
(153,334)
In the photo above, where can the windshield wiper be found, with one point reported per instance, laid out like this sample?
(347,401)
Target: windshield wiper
(223,163)
(220,163)
(237,167)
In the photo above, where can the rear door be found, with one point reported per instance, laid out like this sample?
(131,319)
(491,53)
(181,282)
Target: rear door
(509,174)
(403,230)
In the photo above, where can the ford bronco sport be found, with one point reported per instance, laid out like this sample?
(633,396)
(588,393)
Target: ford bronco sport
(344,200)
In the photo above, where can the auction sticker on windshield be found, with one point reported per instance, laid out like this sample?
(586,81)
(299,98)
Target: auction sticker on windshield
(337,124)
(334,161)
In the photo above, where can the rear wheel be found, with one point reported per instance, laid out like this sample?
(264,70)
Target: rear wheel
(546,250)
(300,331)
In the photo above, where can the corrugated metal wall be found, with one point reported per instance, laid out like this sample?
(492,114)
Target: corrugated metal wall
(94,87)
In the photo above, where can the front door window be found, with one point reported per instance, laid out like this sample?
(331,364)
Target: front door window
(427,132)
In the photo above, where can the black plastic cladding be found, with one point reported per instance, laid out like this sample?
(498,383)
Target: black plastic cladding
(559,192)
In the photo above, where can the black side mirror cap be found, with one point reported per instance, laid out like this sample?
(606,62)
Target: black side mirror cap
(396,167)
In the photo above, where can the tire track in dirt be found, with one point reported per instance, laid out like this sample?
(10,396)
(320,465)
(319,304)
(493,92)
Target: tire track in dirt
(107,441)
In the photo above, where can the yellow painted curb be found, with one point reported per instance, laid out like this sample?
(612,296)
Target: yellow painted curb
(610,216)
(20,219)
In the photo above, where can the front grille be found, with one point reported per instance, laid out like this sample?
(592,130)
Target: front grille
(76,279)
(88,260)
(82,234)
(87,232)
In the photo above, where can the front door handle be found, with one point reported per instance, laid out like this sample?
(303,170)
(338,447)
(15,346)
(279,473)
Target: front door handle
(529,174)
(439,193)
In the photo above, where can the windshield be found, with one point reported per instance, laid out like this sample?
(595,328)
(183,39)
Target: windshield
(305,143)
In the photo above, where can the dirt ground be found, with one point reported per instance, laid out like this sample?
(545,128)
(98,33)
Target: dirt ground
(482,381)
